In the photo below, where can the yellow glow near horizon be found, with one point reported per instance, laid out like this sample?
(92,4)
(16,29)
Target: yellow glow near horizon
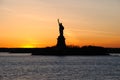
(28,46)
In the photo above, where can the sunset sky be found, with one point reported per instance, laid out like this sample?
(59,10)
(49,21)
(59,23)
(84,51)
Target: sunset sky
(33,23)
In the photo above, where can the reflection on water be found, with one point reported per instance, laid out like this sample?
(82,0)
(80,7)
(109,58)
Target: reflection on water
(15,54)
(14,67)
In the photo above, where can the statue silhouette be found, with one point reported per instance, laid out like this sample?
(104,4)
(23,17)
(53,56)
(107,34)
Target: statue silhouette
(61,28)
(61,40)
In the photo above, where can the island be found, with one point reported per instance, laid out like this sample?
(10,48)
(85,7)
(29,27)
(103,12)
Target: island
(62,49)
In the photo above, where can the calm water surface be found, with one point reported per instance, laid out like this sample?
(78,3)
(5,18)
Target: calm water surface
(26,67)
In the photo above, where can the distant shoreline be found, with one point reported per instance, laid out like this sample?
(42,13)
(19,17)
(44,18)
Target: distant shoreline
(87,50)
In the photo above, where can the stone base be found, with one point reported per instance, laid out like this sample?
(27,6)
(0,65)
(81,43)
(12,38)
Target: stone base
(61,42)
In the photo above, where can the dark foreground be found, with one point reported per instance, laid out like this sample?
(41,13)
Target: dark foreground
(70,51)
(86,50)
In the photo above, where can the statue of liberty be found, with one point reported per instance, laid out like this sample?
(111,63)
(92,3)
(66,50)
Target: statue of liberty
(61,28)
(61,40)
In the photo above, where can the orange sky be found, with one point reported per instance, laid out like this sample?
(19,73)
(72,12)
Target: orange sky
(33,23)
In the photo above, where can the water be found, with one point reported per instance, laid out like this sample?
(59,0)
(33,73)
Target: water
(26,67)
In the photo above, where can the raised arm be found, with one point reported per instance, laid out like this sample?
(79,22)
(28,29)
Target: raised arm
(58,21)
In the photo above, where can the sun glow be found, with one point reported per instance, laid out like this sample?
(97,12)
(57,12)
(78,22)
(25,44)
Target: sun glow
(28,46)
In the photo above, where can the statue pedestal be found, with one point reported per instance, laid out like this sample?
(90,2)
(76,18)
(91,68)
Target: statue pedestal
(61,42)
